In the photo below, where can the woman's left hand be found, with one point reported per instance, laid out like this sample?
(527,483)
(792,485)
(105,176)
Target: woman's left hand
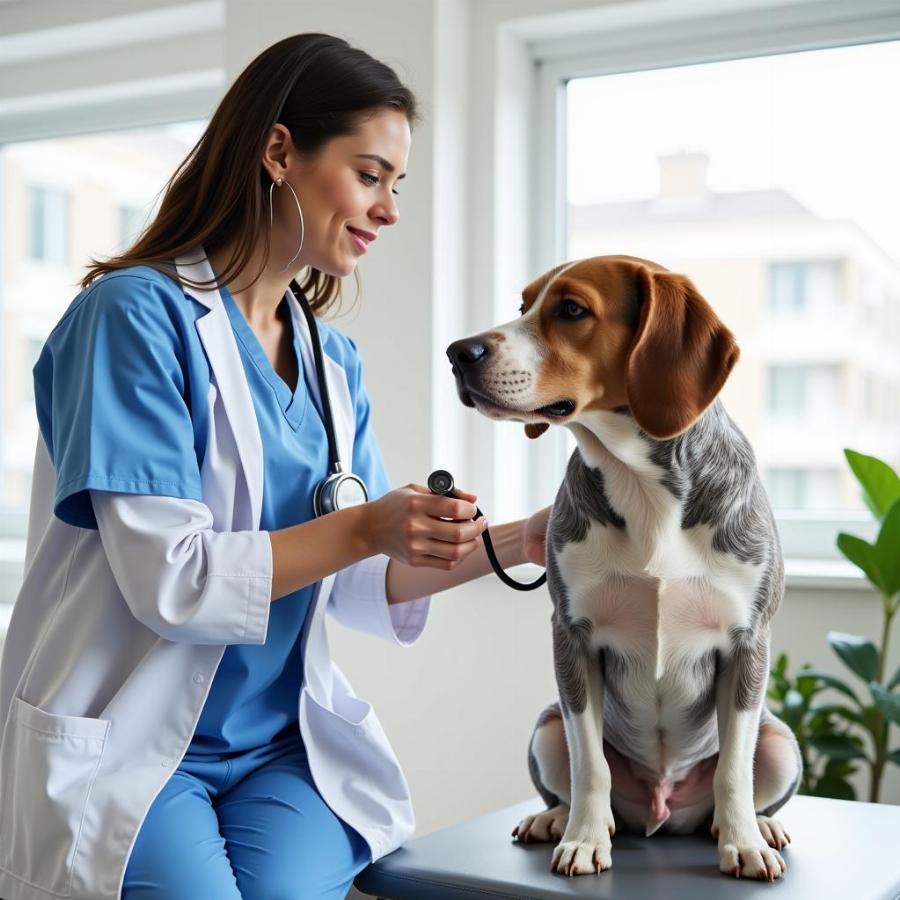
(534,536)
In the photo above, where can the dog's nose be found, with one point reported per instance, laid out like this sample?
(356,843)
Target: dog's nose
(466,352)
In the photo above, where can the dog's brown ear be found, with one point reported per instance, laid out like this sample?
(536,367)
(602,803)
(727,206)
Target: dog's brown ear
(680,358)
(536,429)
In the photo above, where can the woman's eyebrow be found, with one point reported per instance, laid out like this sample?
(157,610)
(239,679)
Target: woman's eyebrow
(381,161)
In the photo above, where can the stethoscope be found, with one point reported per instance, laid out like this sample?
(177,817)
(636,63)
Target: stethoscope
(441,482)
(341,490)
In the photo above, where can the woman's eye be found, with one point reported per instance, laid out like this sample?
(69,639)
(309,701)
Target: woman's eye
(569,309)
(372,180)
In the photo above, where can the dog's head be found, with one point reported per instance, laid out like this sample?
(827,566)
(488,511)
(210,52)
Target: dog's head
(600,334)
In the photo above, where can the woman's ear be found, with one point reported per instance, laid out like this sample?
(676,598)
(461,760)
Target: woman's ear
(536,429)
(680,357)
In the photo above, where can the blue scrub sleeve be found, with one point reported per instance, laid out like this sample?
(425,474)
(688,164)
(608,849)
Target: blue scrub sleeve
(111,398)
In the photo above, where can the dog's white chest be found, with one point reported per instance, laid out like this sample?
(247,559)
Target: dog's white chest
(664,600)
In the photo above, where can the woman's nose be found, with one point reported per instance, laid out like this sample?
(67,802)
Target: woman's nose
(387,213)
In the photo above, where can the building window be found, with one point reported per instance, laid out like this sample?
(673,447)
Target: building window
(787,390)
(787,287)
(786,488)
(805,390)
(803,489)
(47,232)
(132,221)
(33,347)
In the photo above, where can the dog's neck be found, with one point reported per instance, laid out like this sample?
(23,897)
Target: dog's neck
(612,438)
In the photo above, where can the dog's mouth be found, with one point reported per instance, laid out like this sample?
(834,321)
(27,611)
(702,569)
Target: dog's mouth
(558,410)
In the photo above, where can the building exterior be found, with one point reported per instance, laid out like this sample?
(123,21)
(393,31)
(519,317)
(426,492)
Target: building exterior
(815,305)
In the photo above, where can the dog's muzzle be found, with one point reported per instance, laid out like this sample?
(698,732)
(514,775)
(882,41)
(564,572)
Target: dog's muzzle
(467,358)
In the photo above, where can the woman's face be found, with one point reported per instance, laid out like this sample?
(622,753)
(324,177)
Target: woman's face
(347,194)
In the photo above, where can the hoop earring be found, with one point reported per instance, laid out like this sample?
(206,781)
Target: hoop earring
(280,182)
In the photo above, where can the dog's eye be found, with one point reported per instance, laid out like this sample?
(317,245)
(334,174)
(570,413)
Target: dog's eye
(522,310)
(569,309)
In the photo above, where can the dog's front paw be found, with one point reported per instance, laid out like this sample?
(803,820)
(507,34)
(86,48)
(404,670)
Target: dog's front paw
(589,850)
(773,832)
(748,856)
(546,826)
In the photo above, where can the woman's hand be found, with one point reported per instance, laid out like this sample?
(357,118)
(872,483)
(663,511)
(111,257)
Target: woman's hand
(411,525)
(534,537)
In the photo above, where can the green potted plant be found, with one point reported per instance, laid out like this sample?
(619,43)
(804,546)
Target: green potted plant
(856,728)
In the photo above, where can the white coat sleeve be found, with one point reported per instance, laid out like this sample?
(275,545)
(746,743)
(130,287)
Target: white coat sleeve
(180,578)
(359,600)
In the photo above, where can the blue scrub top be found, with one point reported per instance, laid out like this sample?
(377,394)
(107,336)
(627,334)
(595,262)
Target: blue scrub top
(121,390)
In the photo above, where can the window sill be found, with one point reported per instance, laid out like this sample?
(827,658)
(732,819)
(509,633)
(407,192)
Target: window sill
(824,574)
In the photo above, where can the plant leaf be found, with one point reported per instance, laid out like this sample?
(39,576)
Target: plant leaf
(831,681)
(894,757)
(880,483)
(886,554)
(862,554)
(836,709)
(895,680)
(838,746)
(888,703)
(858,653)
(839,768)
(792,710)
(837,788)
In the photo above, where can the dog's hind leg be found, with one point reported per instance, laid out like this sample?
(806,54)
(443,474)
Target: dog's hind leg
(548,765)
(777,768)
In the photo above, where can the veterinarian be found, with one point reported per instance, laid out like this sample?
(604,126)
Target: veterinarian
(169,730)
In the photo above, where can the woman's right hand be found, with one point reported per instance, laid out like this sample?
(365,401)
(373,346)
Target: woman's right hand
(411,525)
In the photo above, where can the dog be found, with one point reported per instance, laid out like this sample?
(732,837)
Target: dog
(663,563)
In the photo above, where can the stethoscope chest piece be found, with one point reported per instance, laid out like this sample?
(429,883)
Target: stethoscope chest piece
(341,490)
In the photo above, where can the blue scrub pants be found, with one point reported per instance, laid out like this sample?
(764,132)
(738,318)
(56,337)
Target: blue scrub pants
(252,826)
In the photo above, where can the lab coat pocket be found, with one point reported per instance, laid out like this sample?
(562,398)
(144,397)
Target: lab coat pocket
(346,710)
(51,762)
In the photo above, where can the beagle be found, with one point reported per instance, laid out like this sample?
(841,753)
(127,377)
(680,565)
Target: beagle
(664,568)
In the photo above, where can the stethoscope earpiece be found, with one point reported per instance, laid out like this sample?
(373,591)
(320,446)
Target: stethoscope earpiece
(440,481)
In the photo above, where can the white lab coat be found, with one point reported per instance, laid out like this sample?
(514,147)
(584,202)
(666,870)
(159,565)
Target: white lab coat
(100,695)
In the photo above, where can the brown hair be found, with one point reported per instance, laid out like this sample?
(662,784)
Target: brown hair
(319,88)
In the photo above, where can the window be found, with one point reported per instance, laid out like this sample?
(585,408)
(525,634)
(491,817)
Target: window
(787,390)
(32,348)
(132,221)
(47,233)
(736,173)
(110,185)
(787,287)
(803,489)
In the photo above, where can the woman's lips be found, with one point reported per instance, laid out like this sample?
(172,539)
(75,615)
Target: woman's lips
(362,239)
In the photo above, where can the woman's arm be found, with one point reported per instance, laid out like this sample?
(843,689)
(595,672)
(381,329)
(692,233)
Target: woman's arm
(411,525)
(514,543)
(306,553)
(408,583)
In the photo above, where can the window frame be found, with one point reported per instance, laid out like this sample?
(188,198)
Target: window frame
(688,39)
